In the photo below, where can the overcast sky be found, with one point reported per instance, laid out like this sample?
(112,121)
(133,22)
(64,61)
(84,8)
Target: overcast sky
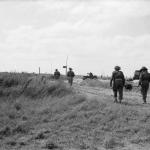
(95,34)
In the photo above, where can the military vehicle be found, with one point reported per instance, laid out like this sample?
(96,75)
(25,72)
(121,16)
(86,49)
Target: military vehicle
(136,75)
(89,76)
(128,85)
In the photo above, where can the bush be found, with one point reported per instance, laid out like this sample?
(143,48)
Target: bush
(6,131)
(12,79)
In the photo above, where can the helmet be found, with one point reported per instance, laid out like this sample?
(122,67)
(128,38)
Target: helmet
(143,68)
(117,68)
(70,68)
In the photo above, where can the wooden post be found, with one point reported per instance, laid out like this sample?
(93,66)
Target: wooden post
(39,70)
(66,65)
(51,69)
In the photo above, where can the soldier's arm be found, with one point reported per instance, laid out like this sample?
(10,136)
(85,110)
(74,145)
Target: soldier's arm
(140,79)
(73,74)
(123,78)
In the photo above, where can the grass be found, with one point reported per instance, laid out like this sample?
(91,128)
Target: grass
(15,85)
(49,114)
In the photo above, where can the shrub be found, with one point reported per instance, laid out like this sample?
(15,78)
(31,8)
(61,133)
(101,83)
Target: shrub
(18,106)
(12,79)
(21,128)
(6,131)
(51,145)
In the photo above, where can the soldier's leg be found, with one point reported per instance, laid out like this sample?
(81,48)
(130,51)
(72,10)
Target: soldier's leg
(71,81)
(143,92)
(144,95)
(120,93)
(115,94)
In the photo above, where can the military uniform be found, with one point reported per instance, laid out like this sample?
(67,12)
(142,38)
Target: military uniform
(117,83)
(56,74)
(144,82)
(70,75)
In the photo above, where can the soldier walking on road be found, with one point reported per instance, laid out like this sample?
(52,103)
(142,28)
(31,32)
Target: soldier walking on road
(70,75)
(144,82)
(117,83)
(56,74)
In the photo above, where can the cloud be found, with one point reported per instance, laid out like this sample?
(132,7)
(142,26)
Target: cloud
(94,34)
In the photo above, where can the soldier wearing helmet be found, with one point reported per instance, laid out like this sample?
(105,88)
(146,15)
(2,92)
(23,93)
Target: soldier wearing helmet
(70,75)
(144,82)
(56,74)
(117,83)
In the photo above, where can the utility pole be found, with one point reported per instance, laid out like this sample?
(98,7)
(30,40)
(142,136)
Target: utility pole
(66,64)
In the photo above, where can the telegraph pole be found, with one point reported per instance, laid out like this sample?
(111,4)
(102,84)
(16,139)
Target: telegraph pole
(66,64)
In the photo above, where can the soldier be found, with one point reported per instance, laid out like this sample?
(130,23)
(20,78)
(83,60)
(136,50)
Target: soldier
(118,81)
(70,75)
(144,82)
(91,75)
(56,74)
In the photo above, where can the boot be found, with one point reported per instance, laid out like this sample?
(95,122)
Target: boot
(120,100)
(115,100)
(144,100)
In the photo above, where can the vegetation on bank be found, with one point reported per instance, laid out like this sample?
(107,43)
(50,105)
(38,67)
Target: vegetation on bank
(45,114)
(30,85)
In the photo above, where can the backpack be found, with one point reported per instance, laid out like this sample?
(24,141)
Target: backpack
(136,75)
(145,76)
(70,74)
(118,75)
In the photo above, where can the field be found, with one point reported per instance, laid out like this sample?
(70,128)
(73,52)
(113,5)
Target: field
(39,113)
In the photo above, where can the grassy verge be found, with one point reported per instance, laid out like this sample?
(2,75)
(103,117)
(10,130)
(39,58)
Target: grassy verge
(49,115)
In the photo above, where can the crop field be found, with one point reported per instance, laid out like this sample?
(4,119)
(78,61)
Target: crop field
(39,113)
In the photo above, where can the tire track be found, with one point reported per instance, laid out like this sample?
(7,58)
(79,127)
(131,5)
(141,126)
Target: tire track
(92,90)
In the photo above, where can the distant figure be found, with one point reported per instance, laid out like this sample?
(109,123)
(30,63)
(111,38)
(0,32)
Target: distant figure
(144,82)
(70,75)
(56,74)
(117,82)
(91,75)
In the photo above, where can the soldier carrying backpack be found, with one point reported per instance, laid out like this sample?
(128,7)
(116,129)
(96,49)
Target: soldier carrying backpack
(56,74)
(70,75)
(117,83)
(144,80)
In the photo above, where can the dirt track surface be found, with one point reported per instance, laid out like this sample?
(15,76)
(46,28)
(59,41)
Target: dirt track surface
(133,99)
(130,97)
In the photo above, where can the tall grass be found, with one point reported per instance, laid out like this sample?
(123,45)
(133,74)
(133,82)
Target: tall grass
(15,85)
